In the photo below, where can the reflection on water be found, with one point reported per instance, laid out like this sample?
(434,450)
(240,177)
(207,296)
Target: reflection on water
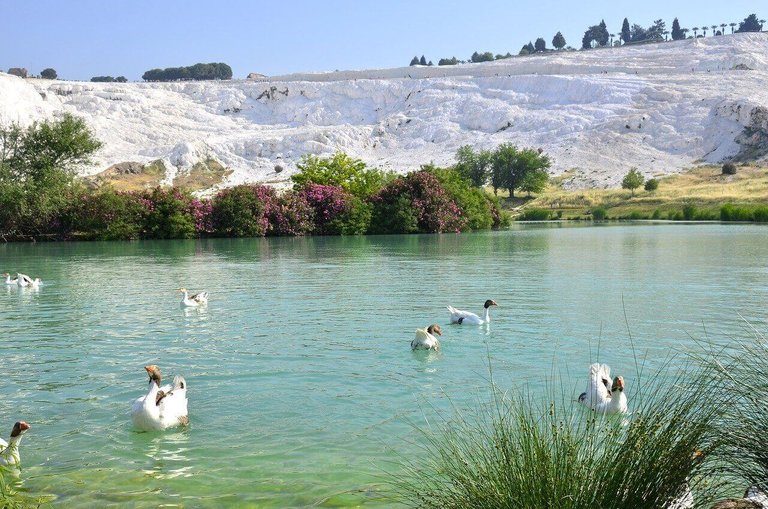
(302,385)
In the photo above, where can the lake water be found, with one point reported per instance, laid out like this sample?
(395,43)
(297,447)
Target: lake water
(302,387)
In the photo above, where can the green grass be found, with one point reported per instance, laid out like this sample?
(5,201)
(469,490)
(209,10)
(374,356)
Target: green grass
(739,368)
(704,189)
(524,452)
(10,498)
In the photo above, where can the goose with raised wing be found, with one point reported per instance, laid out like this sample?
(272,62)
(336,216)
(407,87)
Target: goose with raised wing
(25,281)
(602,395)
(198,299)
(163,406)
(9,451)
(425,338)
(467,318)
(10,281)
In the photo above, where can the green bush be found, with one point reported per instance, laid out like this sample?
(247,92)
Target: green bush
(476,205)
(107,215)
(350,174)
(356,220)
(168,216)
(599,213)
(656,214)
(689,212)
(730,212)
(729,169)
(535,214)
(651,185)
(416,202)
(242,211)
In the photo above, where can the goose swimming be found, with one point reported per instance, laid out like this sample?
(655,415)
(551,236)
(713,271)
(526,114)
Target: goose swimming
(425,338)
(198,299)
(9,455)
(162,407)
(467,318)
(602,395)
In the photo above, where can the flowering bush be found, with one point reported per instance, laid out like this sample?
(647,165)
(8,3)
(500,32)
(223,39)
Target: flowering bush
(337,212)
(416,202)
(291,215)
(202,213)
(243,211)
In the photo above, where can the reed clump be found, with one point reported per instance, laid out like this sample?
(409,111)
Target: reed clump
(527,452)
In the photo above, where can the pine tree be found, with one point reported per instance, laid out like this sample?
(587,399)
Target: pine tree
(415,61)
(540,45)
(601,34)
(750,24)
(677,34)
(626,35)
(423,61)
(558,41)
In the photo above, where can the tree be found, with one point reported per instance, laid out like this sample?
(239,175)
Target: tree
(481,57)
(422,60)
(343,171)
(722,28)
(651,185)
(762,22)
(558,41)
(448,61)
(732,25)
(473,165)
(48,74)
(632,180)
(540,45)
(626,35)
(750,24)
(414,61)
(121,79)
(37,171)
(513,168)
(677,33)
(601,34)
(695,32)
(704,30)
(656,31)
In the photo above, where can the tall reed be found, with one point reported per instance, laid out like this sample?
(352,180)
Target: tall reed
(530,452)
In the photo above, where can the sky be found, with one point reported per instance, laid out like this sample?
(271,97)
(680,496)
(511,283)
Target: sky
(85,38)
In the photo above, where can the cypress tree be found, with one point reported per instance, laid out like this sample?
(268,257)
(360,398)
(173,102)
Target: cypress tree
(677,33)
(423,60)
(626,35)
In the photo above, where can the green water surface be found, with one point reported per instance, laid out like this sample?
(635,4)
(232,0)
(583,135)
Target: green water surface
(302,388)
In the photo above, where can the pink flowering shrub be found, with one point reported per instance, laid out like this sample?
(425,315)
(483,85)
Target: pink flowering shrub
(202,214)
(291,214)
(337,212)
(415,203)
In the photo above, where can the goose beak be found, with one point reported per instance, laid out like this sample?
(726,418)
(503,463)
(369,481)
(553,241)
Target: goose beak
(24,426)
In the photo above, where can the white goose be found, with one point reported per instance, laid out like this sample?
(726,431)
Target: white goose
(198,299)
(10,281)
(9,456)
(465,317)
(162,407)
(425,339)
(27,282)
(599,396)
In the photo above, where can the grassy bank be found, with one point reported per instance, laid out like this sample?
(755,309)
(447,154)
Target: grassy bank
(697,194)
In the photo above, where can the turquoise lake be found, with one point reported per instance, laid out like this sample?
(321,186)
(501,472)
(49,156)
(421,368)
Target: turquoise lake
(303,390)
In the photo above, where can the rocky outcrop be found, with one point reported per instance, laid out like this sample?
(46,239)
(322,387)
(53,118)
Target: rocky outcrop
(754,138)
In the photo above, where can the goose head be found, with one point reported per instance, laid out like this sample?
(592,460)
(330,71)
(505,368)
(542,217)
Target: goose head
(618,384)
(19,429)
(182,290)
(435,329)
(489,303)
(154,373)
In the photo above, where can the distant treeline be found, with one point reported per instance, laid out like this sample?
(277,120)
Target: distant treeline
(212,71)
(109,79)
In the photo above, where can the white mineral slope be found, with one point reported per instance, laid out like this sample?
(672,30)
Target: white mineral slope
(658,107)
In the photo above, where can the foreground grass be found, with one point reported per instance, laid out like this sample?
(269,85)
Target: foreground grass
(695,194)
(524,453)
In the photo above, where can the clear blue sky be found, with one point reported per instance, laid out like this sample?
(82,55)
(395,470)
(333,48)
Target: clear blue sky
(85,38)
